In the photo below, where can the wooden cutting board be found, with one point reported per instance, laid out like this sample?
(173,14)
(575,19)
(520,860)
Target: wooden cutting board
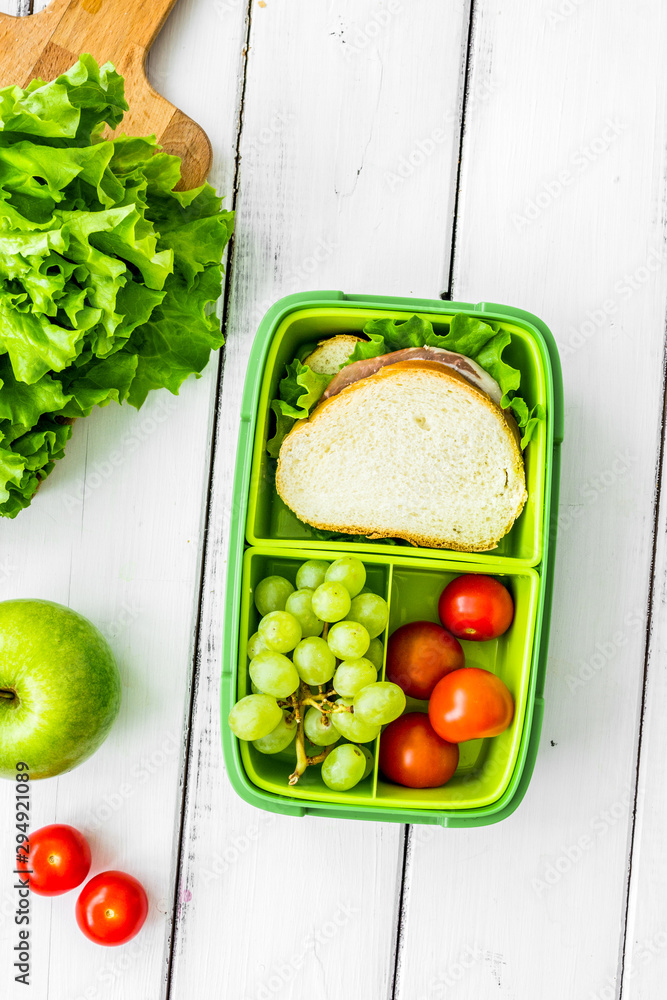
(46,44)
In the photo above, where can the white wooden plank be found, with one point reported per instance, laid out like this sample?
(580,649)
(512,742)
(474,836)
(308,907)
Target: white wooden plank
(335,95)
(12,7)
(561,212)
(645,954)
(116,533)
(645,959)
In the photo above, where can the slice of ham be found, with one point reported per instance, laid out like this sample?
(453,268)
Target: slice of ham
(458,362)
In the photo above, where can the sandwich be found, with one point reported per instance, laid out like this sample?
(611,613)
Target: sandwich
(419,443)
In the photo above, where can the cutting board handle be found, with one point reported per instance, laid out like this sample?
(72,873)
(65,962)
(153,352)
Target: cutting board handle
(109,22)
(121,31)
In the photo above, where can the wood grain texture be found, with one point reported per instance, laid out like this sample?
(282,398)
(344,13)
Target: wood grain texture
(116,532)
(562,212)
(645,945)
(50,41)
(644,966)
(329,109)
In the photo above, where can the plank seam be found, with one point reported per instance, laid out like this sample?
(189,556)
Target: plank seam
(447,294)
(402,906)
(200,638)
(647,656)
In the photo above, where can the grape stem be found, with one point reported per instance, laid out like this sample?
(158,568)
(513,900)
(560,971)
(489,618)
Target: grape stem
(320,756)
(301,755)
(297,702)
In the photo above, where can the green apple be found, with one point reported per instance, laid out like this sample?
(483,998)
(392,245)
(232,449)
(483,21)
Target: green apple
(59,688)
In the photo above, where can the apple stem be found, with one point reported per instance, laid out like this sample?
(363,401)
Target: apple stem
(8,695)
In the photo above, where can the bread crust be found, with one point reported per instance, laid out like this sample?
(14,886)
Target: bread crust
(416,538)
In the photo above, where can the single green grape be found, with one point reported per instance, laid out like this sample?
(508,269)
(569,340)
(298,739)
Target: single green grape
(275,674)
(379,703)
(343,768)
(331,602)
(256,645)
(279,738)
(351,726)
(375,653)
(280,631)
(349,571)
(318,728)
(369,761)
(271,594)
(314,660)
(371,611)
(300,604)
(311,574)
(254,716)
(353,675)
(348,640)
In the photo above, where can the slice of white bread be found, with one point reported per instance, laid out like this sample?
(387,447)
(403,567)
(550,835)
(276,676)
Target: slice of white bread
(331,353)
(413,451)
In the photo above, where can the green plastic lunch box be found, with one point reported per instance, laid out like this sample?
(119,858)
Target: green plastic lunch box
(266,538)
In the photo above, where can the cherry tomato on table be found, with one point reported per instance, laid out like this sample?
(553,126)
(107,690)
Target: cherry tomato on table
(58,859)
(412,753)
(111,908)
(476,607)
(419,655)
(470,704)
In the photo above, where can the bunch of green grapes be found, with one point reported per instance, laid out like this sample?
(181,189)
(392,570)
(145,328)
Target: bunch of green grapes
(314,665)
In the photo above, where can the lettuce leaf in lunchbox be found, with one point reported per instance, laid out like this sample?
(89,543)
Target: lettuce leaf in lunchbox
(108,274)
(477,339)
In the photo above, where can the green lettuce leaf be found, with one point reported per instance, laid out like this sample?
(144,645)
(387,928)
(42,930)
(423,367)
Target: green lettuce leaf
(300,390)
(24,404)
(108,274)
(27,460)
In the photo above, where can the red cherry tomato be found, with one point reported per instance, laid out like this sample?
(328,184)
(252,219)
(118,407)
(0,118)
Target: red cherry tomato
(111,908)
(476,607)
(469,704)
(58,859)
(419,654)
(412,753)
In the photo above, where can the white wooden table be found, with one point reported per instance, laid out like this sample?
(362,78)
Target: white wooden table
(502,151)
